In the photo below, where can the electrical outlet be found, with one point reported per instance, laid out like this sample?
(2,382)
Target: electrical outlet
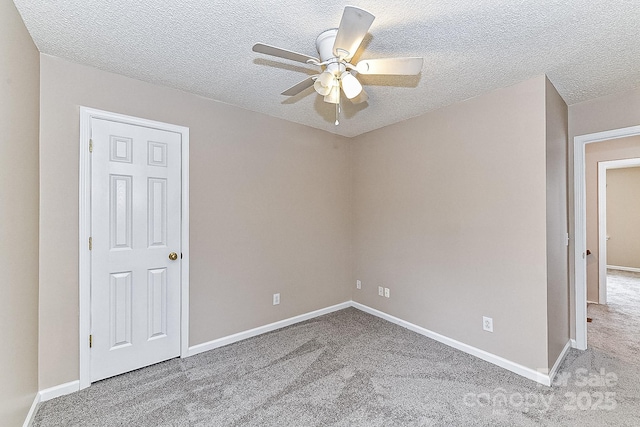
(487,323)
(276,299)
(358,284)
(386,292)
(380,291)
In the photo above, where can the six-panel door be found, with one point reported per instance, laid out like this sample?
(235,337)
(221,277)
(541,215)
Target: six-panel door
(135,225)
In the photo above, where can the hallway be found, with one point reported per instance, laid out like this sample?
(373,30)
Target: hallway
(615,328)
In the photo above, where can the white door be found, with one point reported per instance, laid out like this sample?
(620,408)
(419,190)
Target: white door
(135,230)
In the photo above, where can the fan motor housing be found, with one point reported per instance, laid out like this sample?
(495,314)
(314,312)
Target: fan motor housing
(324,45)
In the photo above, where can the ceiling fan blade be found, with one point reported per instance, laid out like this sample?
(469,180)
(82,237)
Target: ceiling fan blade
(354,25)
(297,88)
(390,66)
(283,53)
(362,97)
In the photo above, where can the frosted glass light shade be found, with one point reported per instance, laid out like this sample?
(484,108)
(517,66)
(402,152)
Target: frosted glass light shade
(350,85)
(320,88)
(324,83)
(334,95)
(327,78)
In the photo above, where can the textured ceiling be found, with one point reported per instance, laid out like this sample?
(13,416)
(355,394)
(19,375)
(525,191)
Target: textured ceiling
(588,48)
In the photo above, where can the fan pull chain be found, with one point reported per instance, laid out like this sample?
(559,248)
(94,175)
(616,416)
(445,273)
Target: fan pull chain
(338,108)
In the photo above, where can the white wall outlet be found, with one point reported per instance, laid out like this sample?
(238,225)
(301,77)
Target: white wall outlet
(380,291)
(276,299)
(358,284)
(386,292)
(487,323)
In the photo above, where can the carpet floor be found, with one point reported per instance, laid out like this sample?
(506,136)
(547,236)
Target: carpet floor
(615,328)
(349,368)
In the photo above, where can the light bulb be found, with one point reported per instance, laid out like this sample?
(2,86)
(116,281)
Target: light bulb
(350,85)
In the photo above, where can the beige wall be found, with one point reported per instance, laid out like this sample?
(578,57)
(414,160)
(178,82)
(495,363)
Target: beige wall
(557,254)
(270,205)
(623,217)
(448,210)
(449,213)
(614,111)
(19,85)
(615,149)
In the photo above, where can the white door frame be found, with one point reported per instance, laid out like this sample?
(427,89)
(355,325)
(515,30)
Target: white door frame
(602,219)
(580,223)
(86,114)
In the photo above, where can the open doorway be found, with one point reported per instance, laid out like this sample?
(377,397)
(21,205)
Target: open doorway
(615,317)
(585,265)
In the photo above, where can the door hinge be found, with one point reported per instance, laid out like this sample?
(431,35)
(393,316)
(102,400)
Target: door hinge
(90,243)
(90,341)
(91,145)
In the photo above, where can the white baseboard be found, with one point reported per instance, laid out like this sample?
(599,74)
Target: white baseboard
(574,343)
(617,267)
(563,354)
(73,386)
(230,339)
(524,371)
(538,376)
(32,411)
(59,390)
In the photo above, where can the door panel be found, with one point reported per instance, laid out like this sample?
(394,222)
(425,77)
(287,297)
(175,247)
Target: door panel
(121,215)
(157,209)
(135,224)
(120,310)
(157,297)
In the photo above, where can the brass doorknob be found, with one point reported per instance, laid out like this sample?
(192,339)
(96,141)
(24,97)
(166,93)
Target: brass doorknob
(173,256)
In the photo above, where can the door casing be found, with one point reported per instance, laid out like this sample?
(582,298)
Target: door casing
(84,291)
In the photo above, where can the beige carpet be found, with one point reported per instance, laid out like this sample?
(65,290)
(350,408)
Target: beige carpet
(615,328)
(350,369)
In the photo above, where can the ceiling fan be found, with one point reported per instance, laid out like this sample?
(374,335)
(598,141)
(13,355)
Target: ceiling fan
(336,47)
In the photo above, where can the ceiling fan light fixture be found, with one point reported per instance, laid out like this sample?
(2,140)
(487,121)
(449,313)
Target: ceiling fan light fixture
(350,85)
(336,48)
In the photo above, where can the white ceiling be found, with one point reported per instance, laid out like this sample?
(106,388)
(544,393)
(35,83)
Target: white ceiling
(588,48)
